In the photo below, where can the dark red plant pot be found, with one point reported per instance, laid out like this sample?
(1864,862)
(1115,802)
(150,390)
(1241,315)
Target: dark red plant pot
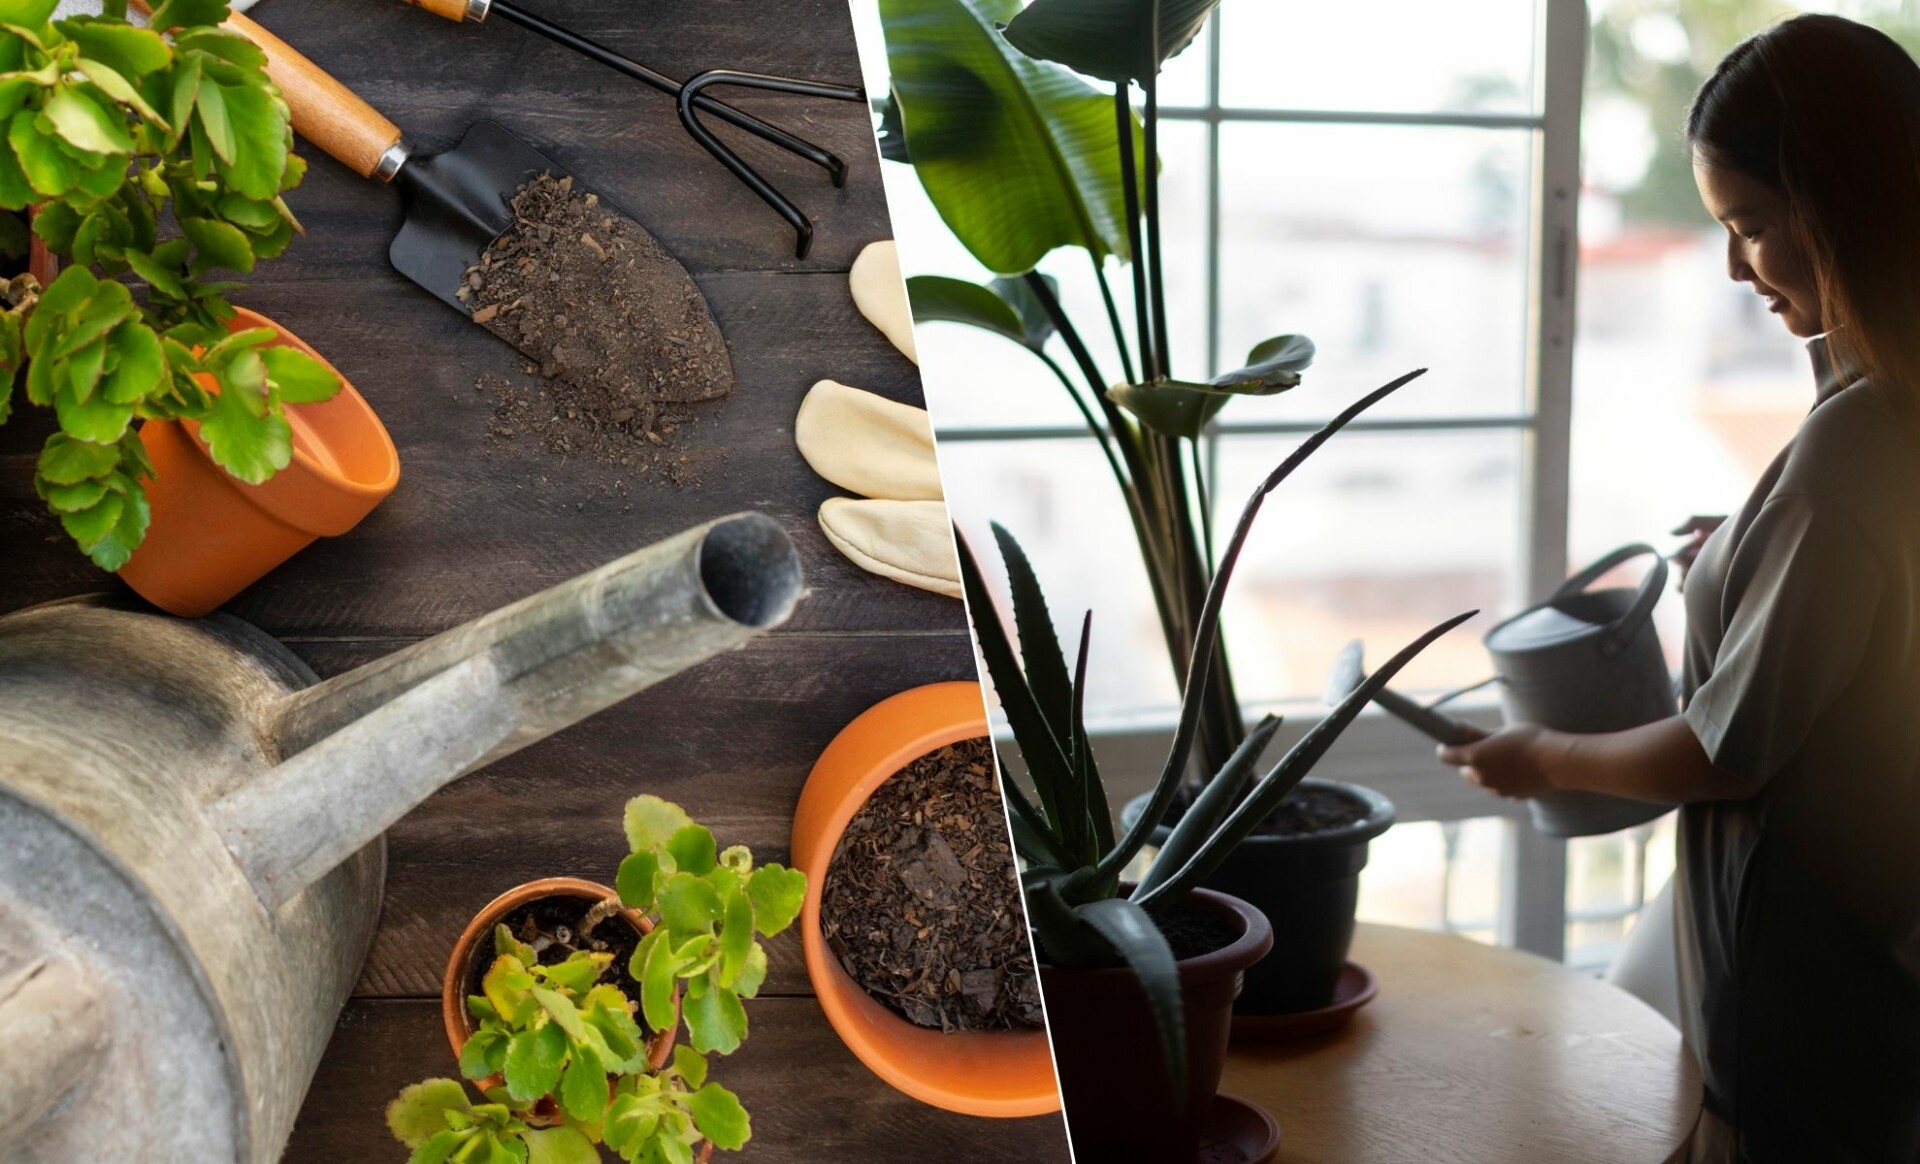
(1113,1078)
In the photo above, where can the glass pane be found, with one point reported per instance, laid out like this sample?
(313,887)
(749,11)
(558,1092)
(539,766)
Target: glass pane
(1436,876)
(1378,537)
(1470,55)
(1183,82)
(1393,248)
(1609,881)
(1685,388)
(1058,498)
(974,379)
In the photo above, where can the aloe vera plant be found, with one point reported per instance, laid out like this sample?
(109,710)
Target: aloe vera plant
(1081,913)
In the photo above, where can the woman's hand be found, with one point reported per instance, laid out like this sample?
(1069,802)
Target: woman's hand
(1514,762)
(1696,529)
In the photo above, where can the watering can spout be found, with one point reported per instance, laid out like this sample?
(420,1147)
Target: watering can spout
(362,749)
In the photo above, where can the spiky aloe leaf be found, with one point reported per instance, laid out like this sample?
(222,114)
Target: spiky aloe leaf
(1125,926)
(1207,630)
(1047,763)
(1284,776)
(1212,806)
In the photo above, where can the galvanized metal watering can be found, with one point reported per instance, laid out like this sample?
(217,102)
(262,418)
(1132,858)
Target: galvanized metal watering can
(1587,661)
(191,854)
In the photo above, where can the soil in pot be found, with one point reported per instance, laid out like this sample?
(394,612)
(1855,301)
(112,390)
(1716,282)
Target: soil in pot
(619,341)
(556,927)
(1306,811)
(921,902)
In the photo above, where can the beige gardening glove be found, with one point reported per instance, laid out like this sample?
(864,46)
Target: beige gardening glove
(881,295)
(907,541)
(867,444)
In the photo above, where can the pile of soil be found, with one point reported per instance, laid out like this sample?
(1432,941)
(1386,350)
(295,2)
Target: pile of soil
(556,927)
(922,900)
(620,341)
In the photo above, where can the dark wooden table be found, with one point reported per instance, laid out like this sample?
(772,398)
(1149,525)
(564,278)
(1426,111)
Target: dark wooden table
(469,530)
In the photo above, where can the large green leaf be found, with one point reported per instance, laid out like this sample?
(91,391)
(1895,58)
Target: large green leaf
(133,52)
(1005,307)
(1275,364)
(1019,156)
(719,1116)
(1113,40)
(563,1145)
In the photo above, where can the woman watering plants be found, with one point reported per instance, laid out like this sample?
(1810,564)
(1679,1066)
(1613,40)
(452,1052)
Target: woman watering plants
(1797,758)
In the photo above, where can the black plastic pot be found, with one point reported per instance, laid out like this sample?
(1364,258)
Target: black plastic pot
(1308,886)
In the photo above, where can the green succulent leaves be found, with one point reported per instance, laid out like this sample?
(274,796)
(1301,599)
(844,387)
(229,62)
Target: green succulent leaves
(709,907)
(108,128)
(563,1056)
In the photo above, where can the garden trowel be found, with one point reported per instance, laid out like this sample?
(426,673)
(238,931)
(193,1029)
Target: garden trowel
(456,201)
(1349,671)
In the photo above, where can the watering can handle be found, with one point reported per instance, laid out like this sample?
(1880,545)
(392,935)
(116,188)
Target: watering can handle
(1651,588)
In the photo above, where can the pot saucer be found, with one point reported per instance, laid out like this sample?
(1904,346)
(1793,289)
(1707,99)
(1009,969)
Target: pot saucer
(1236,1132)
(1354,989)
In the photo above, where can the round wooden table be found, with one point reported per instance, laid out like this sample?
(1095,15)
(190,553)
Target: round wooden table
(1479,1055)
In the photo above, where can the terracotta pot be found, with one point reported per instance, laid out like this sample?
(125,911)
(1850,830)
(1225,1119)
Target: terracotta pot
(212,536)
(1112,1071)
(982,1073)
(1308,887)
(476,942)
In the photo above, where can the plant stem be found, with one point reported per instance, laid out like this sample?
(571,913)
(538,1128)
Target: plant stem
(1130,194)
(1113,318)
(1157,291)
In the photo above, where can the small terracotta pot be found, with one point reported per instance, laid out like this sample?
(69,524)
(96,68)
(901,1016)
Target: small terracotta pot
(212,536)
(476,941)
(1112,1071)
(982,1073)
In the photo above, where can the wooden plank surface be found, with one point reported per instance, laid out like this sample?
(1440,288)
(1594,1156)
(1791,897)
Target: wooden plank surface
(471,528)
(1475,1054)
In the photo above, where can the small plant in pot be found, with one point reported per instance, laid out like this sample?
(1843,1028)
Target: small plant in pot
(1022,95)
(1139,977)
(570,1035)
(160,153)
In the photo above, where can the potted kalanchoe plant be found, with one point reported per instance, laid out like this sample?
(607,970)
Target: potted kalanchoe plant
(114,134)
(1137,975)
(571,1045)
(1028,158)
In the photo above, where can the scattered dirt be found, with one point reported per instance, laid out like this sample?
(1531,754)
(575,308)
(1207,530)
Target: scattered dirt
(922,901)
(557,926)
(621,344)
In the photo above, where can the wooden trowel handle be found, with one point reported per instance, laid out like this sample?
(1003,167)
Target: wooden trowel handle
(455,10)
(325,112)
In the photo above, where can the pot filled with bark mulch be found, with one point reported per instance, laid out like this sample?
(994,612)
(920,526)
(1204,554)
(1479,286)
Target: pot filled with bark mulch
(915,938)
(556,916)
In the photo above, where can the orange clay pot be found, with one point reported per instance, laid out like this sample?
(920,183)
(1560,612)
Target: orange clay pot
(982,1073)
(213,536)
(476,941)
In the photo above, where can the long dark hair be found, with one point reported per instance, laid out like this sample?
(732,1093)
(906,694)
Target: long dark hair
(1828,111)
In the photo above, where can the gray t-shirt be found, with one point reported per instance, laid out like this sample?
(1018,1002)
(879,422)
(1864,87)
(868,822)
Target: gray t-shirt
(1798,910)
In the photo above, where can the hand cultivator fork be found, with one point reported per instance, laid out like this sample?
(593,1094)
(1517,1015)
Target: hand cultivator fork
(690,96)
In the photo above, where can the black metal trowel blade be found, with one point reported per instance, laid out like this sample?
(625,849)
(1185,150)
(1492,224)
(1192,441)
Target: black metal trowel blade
(457,203)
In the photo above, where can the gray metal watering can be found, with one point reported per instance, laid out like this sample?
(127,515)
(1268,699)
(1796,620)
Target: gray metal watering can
(191,855)
(1587,661)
